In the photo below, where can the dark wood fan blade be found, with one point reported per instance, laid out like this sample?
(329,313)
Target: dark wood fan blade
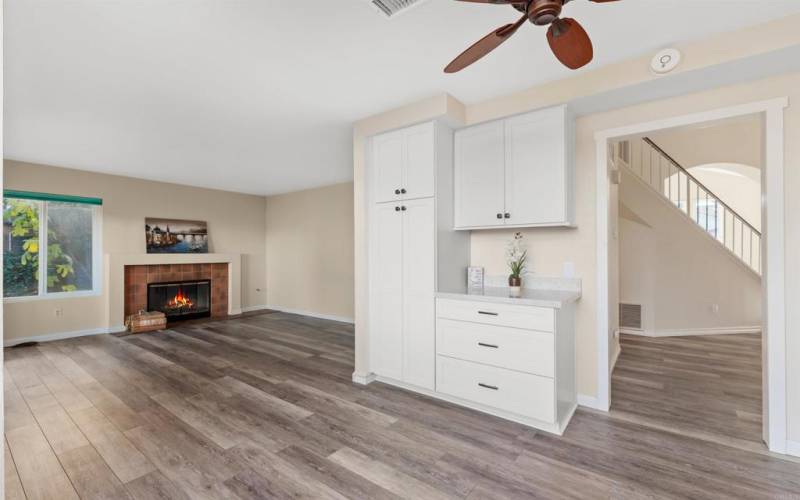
(484,46)
(603,1)
(570,43)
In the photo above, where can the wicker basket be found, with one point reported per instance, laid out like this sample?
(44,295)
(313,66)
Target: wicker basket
(144,321)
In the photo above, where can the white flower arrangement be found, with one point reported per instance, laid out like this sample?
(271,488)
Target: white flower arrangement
(516,255)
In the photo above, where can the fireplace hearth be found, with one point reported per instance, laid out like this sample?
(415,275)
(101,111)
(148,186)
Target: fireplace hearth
(180,300)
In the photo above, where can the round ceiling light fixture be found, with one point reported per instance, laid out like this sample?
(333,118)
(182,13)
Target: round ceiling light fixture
(665,61)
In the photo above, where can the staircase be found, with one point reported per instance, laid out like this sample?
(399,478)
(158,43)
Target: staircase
(648,162)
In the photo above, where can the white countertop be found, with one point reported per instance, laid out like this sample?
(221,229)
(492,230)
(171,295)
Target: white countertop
(528,296)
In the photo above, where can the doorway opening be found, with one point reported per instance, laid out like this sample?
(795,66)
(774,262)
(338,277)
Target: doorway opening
(690,274)
(687,240)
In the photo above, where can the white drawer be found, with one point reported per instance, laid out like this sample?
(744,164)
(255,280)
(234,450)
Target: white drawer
(523,350)
(490,313)
(521,393)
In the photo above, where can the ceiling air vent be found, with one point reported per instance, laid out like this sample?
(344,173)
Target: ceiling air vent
(394,7)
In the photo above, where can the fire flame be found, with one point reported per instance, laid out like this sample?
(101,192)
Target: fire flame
(180,301)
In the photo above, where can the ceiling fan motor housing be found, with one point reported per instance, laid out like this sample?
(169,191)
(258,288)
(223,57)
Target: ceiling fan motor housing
(544,12)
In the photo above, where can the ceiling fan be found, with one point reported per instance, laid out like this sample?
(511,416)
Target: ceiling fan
(567,38)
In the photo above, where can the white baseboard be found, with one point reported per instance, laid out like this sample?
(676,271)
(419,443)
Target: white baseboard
(590,402)
(617,352)
(687,332)
(331,317)
(793,448)
(62,335)
(363,378)
(247,309)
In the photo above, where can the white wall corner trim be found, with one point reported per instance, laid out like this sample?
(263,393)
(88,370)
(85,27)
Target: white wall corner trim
(617,352)
(330,317)
(775,418)
(63,335)
(363,378)
(603,400)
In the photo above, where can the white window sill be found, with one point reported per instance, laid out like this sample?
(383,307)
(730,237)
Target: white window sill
(53,296)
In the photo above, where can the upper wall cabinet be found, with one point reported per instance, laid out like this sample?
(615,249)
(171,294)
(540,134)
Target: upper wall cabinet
(403,164)
(516,172)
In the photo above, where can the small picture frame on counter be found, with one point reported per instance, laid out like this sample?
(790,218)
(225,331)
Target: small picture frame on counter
(474,277)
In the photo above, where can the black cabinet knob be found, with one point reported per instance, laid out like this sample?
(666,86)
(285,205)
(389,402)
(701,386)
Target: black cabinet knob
(507,215)
(396,191)
(403,208)
(396,209)
(403,191)
(499,216)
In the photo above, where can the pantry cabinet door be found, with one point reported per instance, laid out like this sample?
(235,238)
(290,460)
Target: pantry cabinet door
(386,291)
(419,283)
(420,160)
(387,166)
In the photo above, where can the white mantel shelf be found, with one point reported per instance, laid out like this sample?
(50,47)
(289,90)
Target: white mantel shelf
(115,278)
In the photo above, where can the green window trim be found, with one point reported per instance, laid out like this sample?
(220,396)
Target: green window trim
(30,195)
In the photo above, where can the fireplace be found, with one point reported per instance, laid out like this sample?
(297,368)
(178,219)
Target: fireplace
(180,300)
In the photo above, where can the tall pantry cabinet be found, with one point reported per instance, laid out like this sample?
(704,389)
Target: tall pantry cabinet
(410,202)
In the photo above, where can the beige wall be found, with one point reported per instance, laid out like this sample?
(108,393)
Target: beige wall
(737,140)
(236,224)
(310,251)
(678,273)
(552,247)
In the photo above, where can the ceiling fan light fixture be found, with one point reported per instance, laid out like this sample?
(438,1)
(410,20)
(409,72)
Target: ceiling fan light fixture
(567,39)
(544,12)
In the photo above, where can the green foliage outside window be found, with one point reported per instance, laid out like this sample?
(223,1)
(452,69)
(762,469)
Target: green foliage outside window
(21,266)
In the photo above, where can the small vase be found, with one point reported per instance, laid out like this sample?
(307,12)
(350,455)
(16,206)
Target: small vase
(515,285)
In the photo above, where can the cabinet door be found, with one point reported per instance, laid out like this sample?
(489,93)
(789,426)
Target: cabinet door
(385,298)
(418,168)
(419,322)
(387,167)
(479,177)
(536,168)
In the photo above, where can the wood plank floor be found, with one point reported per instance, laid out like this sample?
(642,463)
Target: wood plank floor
(263,407)
(708,384)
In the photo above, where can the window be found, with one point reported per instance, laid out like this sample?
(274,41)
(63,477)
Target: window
(51,245)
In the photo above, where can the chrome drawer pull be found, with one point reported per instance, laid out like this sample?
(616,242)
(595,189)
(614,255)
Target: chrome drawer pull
(487,313)
(486,386)
(488,345)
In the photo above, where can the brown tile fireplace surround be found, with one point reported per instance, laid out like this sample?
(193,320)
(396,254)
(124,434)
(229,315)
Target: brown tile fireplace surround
(137,277)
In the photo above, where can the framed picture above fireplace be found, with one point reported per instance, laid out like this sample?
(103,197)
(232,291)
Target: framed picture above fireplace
(175,236)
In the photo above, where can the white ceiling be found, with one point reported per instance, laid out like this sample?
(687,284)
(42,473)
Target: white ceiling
(259,96)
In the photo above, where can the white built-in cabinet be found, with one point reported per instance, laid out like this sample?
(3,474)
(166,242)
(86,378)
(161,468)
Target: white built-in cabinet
(410,217)
(404,164)
(516,172)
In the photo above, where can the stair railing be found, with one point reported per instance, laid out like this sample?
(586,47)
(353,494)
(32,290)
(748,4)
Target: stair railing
(660,171)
